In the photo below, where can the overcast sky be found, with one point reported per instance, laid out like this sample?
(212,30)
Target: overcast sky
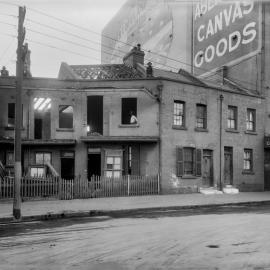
(88,14)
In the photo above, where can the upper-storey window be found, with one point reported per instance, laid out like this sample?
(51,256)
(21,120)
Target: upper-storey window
(129,111)
(232,117)
(251,120)
(65,116)
(11,114)
(179,113)
(201,116)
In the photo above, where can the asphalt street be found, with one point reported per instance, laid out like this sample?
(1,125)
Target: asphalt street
(221,238)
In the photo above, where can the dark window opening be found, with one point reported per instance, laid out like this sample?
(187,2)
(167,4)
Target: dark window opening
(95,114)
(65,116)
(11,114)
(129,111)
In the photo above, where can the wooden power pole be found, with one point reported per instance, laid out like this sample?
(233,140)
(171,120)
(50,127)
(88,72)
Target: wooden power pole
(18,117)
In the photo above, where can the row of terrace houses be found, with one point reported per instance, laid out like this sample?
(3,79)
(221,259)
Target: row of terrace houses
(189,132)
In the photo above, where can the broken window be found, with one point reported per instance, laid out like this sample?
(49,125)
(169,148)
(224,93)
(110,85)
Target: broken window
(42,115)
(113,166)
(65,116)
(129,111)
(43,158)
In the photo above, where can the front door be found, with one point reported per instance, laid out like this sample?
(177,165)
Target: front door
(207,168)
(94,165)
(228,165)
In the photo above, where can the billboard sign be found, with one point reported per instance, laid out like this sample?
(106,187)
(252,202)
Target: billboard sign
(223,31)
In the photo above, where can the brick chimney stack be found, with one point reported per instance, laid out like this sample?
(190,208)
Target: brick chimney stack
(136,55)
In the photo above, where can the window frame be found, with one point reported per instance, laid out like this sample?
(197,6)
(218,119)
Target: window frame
(181,116)
(196,162)
(248,160)
(251,112)
(43,153)
(234,110)
(113,170)
(203,117)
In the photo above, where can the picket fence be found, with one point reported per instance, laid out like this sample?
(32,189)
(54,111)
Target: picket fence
(97,187)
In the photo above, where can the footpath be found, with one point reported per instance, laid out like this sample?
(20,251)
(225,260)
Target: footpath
(56,209)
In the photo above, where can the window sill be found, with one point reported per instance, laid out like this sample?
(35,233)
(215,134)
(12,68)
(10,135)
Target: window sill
(232,130)
(65,129)
(188,177)
(248,172)
(129,125)
(13,128)
(201,129)
(179,127)
(251,132)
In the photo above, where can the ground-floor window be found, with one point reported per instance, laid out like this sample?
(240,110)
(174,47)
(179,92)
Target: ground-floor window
(188,161)
(248,160)
(43,158)
(113,166)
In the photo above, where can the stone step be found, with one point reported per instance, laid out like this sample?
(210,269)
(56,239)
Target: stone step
(229,189)
(210,191)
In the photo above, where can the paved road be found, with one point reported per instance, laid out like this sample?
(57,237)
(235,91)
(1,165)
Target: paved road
(229,238)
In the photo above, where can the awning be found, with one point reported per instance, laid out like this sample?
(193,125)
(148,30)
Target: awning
(40,142)
(142,139)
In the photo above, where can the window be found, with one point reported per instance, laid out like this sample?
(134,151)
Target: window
(129,109)
(201,120)
(37,171)
(43,158)
(11,114)
(179,113)
(251,120)
(248,160)
(65,116)
(113,166)
(188,161)
(10,158)
(232,117)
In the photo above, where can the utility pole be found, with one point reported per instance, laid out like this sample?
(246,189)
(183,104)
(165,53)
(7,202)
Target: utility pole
(18,117)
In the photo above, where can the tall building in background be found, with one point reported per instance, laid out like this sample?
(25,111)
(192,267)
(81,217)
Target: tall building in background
(162,27)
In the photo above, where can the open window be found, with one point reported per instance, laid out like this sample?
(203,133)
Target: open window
(95,114)
(129,111)
(11,115)
(65,116)
(42,115)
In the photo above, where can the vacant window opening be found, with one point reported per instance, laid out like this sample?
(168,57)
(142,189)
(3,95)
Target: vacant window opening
(129,111)
(65,116)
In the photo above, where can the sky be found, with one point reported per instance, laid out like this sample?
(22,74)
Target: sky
(50,39)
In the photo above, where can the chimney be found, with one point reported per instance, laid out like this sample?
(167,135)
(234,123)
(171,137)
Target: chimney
(136,55)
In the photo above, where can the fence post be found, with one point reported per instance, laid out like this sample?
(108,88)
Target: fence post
(158,183)
(128,183)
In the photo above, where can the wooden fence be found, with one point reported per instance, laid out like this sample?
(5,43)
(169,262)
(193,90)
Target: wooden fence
(97,187)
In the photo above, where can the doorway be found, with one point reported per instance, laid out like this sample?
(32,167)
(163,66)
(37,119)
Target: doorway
(207,168)
(67,165)
(267,169)
(94,165)
(228,165)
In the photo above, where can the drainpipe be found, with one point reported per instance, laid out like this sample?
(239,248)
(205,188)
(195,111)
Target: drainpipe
(159,98)
(220,143)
